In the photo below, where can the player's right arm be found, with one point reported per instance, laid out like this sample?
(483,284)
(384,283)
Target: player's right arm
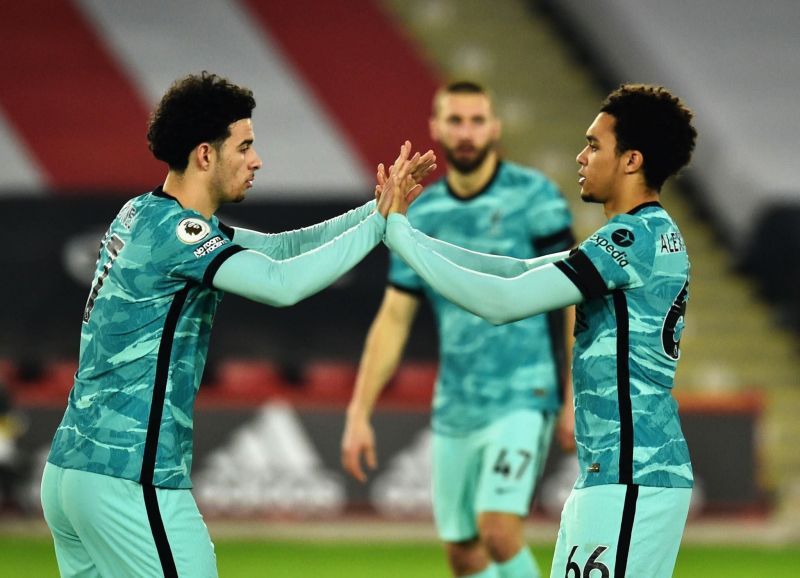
(383,350)
(498,265)
(495,298)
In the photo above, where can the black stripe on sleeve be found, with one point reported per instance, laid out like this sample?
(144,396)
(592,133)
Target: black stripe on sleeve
(558,241)
(579,269)
(624,389)
(213,267)
(159,532)
(626,530)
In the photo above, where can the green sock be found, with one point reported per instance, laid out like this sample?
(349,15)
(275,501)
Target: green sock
(489,572)
(520,566)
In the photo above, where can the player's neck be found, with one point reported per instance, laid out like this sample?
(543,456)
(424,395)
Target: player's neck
(469,185)
(190,193)
(628,200)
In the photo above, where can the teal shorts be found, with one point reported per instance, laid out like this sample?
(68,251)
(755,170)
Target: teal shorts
(106,526)
(617,530)
(494,469)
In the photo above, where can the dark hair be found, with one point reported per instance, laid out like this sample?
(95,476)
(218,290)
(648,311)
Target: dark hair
(460,87)
(656,123)
(196,109)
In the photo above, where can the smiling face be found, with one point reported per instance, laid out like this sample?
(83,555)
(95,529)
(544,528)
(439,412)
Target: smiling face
(236,164)
(466,128)
(602,168)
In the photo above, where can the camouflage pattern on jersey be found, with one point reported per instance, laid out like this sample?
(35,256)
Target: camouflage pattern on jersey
(486,371)
(147,322)
(634,272)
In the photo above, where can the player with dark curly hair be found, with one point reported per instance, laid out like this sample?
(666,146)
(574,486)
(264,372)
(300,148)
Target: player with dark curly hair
(116,487)
(630,281)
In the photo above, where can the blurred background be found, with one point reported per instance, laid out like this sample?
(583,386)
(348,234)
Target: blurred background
(339,86)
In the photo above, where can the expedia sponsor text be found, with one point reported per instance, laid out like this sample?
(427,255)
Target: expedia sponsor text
(621,257)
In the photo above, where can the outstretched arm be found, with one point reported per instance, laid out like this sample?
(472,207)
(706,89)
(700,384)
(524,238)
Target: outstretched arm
(293,243)
(499,265)
(261,278)
(496,299)
(282,283)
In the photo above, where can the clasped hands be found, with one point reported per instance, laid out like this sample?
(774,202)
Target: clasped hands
(397,188)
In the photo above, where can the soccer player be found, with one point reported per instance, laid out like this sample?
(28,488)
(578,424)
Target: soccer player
(499,389)
(626,513)
(116,487)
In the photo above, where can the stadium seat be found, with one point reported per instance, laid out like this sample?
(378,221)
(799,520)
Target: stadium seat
(329,381)
(51,387)
(245,381)
(412,385)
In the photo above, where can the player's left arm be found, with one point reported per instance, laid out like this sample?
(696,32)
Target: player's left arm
(282,283)
(285,282)
(293,243)
(499,265)
(496,299)
(290,244)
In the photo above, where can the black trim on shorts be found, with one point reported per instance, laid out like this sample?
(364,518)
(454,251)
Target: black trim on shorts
(159,532)
(213,267)
(624,388)
(626,530)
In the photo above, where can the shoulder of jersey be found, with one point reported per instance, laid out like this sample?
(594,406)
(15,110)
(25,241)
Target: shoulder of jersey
(187,226)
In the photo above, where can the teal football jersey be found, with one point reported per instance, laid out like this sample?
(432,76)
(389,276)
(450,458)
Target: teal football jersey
(634,275)
(486,371)
(144,341)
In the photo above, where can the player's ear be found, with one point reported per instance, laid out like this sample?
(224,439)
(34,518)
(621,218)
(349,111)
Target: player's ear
(634,160)
(202,155)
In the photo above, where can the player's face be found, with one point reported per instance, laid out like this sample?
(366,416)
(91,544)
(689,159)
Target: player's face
(237,163)
(601,167)
(466,129)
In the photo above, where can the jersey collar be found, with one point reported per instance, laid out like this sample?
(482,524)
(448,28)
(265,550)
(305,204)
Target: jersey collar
(485,188)
(160,192)
(643,206)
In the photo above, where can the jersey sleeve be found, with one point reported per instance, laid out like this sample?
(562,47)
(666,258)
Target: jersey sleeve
(188,247)
(617,256)
(293,243)
(550,219)
(496,299)
(403,277)
(282,283)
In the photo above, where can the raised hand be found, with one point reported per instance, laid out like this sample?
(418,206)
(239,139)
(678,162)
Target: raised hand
(402,180)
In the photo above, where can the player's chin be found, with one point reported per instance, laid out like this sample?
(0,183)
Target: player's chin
(588,197)
(239,195)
